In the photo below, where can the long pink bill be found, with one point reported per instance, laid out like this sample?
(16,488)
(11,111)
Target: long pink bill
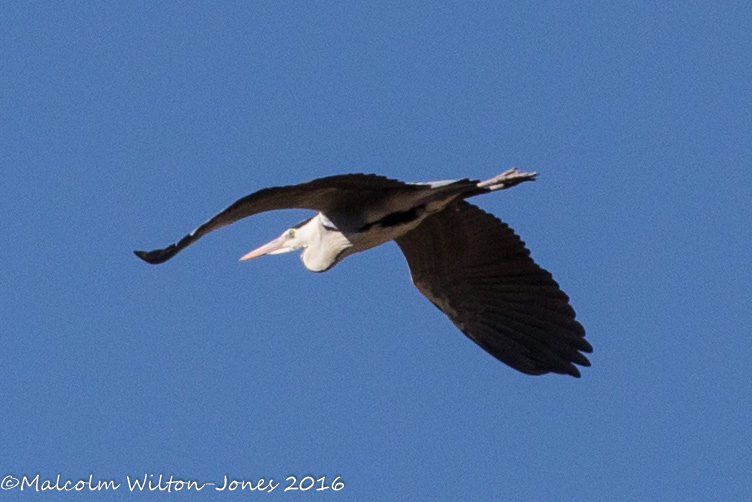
(268,248)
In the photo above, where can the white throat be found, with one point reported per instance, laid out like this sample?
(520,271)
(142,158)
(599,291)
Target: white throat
(325,245)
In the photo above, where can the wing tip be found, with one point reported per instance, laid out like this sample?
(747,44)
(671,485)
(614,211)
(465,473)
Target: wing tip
(574,371)
(579,359)
(158,255)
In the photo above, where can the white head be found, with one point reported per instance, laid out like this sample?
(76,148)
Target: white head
(291,239)
(322,245)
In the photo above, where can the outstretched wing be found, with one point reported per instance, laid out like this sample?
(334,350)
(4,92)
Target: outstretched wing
(328,195)
(475,269)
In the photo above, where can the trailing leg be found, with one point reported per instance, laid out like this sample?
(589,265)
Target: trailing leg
(507,179)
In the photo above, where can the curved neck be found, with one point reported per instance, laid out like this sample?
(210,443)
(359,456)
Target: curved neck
(325,244)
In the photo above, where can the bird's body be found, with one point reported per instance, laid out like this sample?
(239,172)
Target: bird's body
(330,238)
(467,262)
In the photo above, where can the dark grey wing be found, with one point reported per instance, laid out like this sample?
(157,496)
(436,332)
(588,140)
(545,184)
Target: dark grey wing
(475,269)
(327,195)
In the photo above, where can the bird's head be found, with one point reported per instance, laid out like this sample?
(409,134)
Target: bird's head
(322,244)
(290,240)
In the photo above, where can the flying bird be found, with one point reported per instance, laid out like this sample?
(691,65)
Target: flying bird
(467,262)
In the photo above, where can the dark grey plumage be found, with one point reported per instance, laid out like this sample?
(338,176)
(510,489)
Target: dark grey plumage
(467,262)
(481,275)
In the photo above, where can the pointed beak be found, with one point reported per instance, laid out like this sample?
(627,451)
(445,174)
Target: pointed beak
(273,247)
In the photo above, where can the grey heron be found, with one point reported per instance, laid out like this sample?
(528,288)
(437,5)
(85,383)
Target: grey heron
(467,262)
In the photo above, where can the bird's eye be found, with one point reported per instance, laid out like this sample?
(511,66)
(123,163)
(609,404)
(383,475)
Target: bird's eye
(291,234)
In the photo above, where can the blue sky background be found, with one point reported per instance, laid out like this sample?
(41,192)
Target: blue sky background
(125,125)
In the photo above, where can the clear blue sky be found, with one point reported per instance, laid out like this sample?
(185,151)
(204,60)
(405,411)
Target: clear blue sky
(125,125)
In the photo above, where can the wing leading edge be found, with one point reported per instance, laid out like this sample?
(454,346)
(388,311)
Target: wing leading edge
(328,195)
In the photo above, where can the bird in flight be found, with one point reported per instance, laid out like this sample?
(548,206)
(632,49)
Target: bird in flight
(467,262)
